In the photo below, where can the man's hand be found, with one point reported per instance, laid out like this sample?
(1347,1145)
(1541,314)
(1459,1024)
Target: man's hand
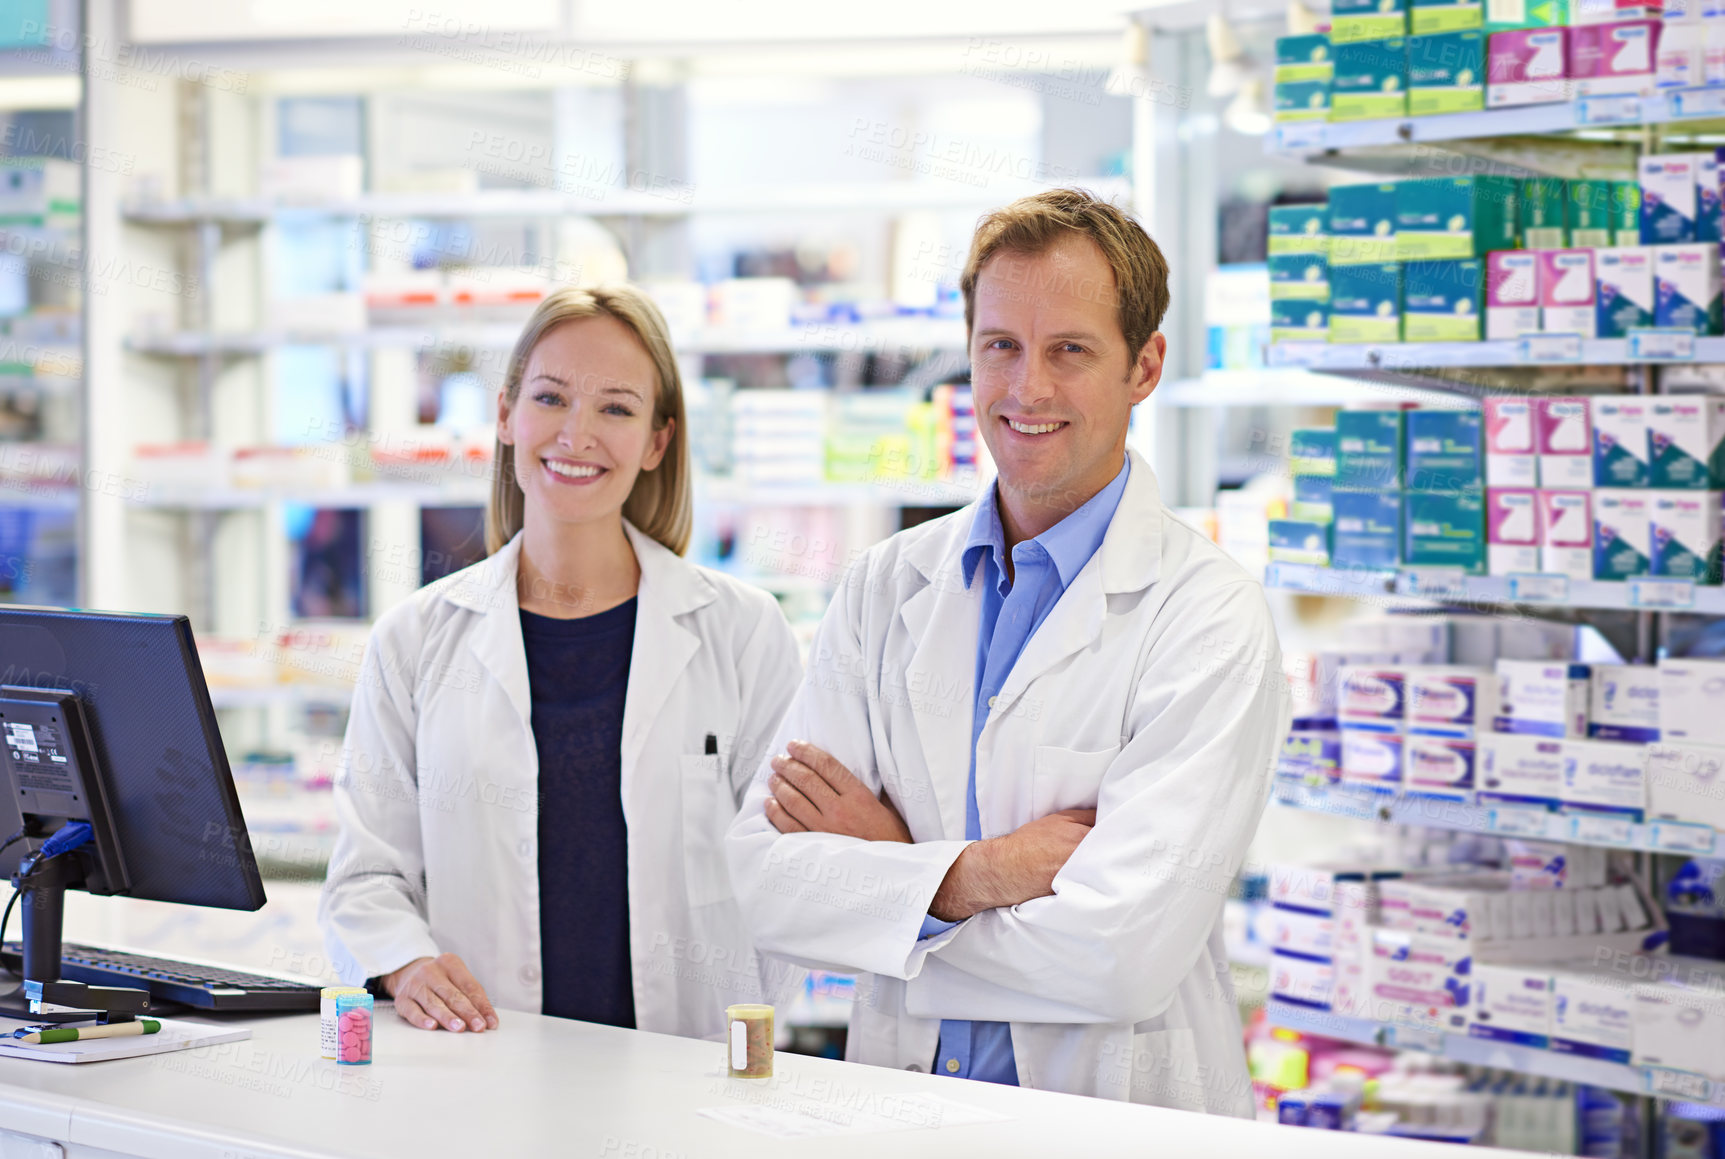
(440,991)
(813,792)
(1004,871)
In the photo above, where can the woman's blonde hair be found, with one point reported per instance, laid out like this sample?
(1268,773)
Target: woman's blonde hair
(660,503)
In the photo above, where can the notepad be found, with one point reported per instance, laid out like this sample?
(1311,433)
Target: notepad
(174,1035)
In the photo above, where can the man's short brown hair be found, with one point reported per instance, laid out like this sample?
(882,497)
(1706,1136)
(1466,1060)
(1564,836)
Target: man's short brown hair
(1032,224)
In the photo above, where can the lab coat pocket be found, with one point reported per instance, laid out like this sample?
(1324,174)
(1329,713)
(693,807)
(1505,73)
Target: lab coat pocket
(1067,778)
(708,809)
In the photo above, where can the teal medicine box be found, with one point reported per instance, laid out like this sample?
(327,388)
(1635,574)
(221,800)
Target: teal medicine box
(1369,449)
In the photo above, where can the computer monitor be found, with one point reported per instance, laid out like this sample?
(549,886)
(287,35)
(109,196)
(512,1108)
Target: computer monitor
(105,719)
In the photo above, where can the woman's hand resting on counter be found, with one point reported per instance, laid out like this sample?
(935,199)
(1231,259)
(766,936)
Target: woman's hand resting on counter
(440,991)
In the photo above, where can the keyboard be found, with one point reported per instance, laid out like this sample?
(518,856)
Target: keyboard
(169,980)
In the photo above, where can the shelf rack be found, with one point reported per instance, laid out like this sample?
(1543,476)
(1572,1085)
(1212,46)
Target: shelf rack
(1505,593)
(1535,351)
(1294,387)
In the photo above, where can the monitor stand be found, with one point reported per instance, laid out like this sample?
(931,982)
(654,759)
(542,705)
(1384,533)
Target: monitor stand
(44,996)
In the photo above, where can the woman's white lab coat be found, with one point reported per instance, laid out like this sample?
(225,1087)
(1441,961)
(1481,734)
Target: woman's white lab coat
(1152,693)
(439,804)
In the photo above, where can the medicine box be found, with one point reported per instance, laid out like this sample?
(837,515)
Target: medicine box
(1427,17)
(1304,541)
(1512,1004)
(1304,981)
(1612,11)
(1510,451)
(1366,303)
(1305,57)
(1620,441)
(1362,224)
(1372,695)
(1527,66)
(1686,287)
(1367,529)
(1311,757)
(1299,320)
(1512,530)
(1625,213)
(1324,887)
(1446,70)
(1445,450)
(1679,61)
(1511,294)
(1566,292)
(1517,14)
(1450,700)
(1623,299)
(1544,213)
(1685,536)
(1312,451)
(1455,217)
(1445,530)
(1314,497)
(1300,275)
(1686,442)
(1605,776)
(1439,766)
(1370,80)
(1372,757)
(1681,1027)
(1421,979)
(1590,214)
(1624,703)
(1442,301)
(1355,20)
(1542,699)
(1564,441)
(1686,782)
(1519,769)
(1708,219)
(1302,931)
(1606,59)
(1667,198)
(1621,534)
(1690,693)
(1302,100)
(1566,533)
(1592,1014)
(1299,229)
(1369,448)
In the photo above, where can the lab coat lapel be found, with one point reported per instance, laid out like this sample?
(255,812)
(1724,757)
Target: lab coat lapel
(942,620)
(489,590)
(664,646)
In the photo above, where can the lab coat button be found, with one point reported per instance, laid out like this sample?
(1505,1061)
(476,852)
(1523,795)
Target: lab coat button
(525,848)
(915,1066)
(952,1066)
(530,974)
(991,701)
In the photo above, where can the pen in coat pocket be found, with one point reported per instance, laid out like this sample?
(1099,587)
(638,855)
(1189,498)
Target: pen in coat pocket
(712,749)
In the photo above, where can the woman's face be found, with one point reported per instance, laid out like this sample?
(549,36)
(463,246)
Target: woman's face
(582,422)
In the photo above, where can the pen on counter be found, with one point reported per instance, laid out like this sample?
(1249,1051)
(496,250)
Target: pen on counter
(47,1034)
(712,749)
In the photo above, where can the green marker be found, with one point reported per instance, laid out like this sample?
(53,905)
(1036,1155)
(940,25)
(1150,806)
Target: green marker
(73,1033)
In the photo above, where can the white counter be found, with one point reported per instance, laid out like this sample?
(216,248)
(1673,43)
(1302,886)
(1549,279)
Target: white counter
(548,1087)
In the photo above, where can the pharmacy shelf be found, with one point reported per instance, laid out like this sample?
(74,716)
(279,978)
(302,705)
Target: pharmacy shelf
(269,695)
(1306,138)
(1451,586)
(597,200)
(1639,1080)
(1270,387)
(889,334)
(1412,358)
(889,493)
(359,495)
(1523,821)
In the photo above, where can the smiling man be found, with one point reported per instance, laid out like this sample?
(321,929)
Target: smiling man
(1036,735)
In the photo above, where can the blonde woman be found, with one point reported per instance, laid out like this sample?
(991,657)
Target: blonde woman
(546,748)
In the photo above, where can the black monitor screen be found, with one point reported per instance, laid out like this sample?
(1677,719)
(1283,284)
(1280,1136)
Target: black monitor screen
(169,788)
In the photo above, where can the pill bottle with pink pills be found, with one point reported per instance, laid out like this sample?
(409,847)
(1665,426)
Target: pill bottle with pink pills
(353,1029)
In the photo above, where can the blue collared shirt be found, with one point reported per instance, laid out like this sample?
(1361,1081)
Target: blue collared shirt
(1012,609)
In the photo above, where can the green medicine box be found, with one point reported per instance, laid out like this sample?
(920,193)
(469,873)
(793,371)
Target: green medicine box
(1428,17)
(1368,450)
(1299,320)
(1312,452)
(1366,303)
(1356,20)
(1300,229)
(1446,73)
(1362,224)
(1544,213)
(1443,301)
(1300,541)
(1304,58)
(1313,497)
(1304,276)
(1625,213)
(1587,214)
(1302,100)
(1444,451)
(1371,80)
(1507,15)
(1444,530)
(1455,217)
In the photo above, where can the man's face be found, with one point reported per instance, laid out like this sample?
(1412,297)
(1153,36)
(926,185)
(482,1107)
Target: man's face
(1053,381)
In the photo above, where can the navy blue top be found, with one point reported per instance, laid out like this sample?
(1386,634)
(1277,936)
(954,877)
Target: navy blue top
(578,671)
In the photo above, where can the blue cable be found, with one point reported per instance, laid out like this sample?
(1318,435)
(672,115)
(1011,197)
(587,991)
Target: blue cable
(67,838)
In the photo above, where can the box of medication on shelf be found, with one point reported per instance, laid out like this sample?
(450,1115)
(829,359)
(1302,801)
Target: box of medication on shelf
(1305,57)
(1686,442)
(1369,446)
(1367,529)
(1543,221)
(1353,20)
(1444,530)
(1511,457)
(1372,756)
(1623,295)
(1511,295)
(1302,100)
(1623,703)
(1439,766)
(1311,756)
(1606,59)
(1304,541)
(1708,220)
(1512,1004)
(1685,535)
(1299,228)
(1519,769)
(1299,275)
(1679,62)
(1566,292)
(1622,533)
(1613,11)
(1564,433)
(1691,692)
(1589,214)
(1566,533)
(1536,698)
(1450,700)
(1503,15)
(1686,783)
(1373,695)
(1304,981)
(1511,530)
(1603,776)
(1314,498)
(1686,287)
(1420,979)
(1370,80)
(1362,223)
(1442,301)
(1455,217)
(1299,320)
(1620,440)
(1312,451)
(1667,198)
(1446,68)
(1680,1023)
(1592,1012)
(1527,66)
(1366,303)
(1445,448)
(1436,17)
